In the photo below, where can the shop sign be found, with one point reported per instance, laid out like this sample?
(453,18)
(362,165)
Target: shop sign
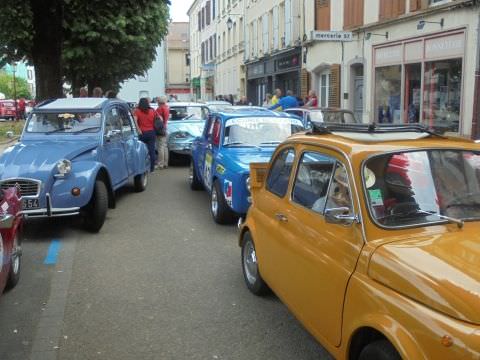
(388,55)
(288,62)
(332,36)
(446,46)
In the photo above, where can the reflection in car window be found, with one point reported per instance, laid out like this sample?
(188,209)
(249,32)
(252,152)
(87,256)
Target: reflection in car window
(126,124)
(339,191)
(194,112)
(277,181)
(113,120)
(64,122)
(313,177)
(420,187)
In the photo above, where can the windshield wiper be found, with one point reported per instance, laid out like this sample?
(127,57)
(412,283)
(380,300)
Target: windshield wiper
(188,117)
(58,130)
(450,219)
(270,143)
(236,143)
(86,129)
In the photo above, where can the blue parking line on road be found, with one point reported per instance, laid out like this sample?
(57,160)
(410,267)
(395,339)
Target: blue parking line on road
(52,254)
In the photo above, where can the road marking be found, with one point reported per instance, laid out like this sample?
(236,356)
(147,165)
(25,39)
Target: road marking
(52,254)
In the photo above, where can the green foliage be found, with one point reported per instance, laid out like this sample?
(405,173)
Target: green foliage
(103,42)
(6,86)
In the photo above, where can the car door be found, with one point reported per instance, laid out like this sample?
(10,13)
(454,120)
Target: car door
(129,140)
(314,257)
(113,147)
(210,148)
(200,148)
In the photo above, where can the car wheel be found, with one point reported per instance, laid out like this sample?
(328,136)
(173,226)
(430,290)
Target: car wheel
(193,179)
(140,182)
(15,261)
(251,274)
(379,350)
(96,210)
(221,212)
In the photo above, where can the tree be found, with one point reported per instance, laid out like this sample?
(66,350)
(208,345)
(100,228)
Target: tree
(6,86)
(80,39)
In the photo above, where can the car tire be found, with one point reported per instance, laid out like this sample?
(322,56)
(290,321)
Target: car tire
(15,262)
(193,179)
(379,350)
(251,274)
(96,210)
(221,212)
(140,182)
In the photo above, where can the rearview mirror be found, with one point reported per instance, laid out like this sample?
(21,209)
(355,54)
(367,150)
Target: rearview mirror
(340,216)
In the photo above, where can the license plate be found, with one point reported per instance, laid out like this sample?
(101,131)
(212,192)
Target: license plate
(28,204)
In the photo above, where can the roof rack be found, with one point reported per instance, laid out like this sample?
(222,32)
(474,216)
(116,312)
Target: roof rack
(372,128)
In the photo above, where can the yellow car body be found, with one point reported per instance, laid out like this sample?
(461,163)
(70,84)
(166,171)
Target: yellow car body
(417,287)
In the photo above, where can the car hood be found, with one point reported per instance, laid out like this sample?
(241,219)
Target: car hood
(30,158)
(440,271)
(193,127)
(242,157)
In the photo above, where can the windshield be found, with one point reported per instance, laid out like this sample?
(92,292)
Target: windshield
(260,131)
(193,112)
(64,122)
(422,187)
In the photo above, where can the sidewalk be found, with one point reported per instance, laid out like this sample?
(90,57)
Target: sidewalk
(6,144)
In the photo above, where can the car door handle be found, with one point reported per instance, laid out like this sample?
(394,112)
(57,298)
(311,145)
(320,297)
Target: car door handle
(281,218)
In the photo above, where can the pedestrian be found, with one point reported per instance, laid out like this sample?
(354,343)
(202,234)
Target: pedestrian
(21,108)
(220,98)
(163,111)
(110,94)
(286,102)
(312,99)
(276,96)
(231,100)
(267,102)
(97,92)
(243,100)
(145,118)
(83,92)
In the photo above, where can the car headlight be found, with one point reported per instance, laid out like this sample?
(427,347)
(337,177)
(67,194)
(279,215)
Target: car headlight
(247,182)
(64,167)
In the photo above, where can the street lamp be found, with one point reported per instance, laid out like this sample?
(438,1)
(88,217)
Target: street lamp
(421,23)
(14,69)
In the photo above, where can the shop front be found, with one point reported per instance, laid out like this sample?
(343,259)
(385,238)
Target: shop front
(420,80)
(281,71)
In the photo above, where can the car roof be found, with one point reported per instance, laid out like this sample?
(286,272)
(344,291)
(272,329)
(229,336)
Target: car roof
(73,103)
(230,114)
(360,145)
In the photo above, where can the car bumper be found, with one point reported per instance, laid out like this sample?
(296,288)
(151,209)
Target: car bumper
(50,211)
(180,148)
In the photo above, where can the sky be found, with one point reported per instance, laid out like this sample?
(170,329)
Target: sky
(179,8)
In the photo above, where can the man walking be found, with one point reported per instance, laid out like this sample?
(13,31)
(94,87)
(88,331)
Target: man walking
(163,111)
(276,96)
(285,102)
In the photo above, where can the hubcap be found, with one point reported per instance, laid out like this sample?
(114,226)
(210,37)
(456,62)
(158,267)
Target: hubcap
(16,253)
(250,262)
(214,202)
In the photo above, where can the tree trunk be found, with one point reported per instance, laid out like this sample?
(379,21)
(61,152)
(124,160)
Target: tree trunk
(47,47)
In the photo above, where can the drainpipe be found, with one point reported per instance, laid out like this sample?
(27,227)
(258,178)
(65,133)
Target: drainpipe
(476,91)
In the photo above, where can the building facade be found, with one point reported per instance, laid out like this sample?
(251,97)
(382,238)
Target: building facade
(23,71)
(177,59)
(404,61)
(151,84)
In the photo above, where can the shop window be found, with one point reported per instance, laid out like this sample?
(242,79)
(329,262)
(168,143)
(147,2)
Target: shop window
(413,87)
(442,94)
(388,94)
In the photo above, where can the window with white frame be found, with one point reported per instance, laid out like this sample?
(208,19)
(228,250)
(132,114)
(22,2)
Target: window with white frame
(275,28)
(323,88)
(288,22)
(265,33)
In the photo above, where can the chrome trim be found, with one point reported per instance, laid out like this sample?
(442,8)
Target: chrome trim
(52,212)
(38,182)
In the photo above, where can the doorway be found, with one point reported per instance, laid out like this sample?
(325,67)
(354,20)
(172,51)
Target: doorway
(357,91)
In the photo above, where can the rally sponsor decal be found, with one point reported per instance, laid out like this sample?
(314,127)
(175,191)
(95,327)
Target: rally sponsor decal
(207,171)
(228,191)
(220,169)
(1,252)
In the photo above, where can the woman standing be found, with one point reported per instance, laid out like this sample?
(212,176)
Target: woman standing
(145,118)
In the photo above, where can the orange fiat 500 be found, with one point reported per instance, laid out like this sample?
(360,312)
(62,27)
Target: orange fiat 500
(371,236)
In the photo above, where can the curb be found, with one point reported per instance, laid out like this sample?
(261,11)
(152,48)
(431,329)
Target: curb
(15,138)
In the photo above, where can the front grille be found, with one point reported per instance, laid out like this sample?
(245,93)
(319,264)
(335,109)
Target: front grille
(26,187)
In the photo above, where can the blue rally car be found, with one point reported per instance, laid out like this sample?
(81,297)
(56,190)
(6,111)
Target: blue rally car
(72,156)
(222,155)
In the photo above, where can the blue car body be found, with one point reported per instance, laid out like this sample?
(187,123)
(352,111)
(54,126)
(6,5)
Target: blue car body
(112,152)
(230,166)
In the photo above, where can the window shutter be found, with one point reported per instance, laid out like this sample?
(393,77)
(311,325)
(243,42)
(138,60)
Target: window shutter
(353,13)
(275,28)
(265,34)
(288,22)
(391,8)
(304,83)
(335,86)
(322,14)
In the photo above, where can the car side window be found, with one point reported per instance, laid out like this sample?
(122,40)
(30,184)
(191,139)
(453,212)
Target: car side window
(112,120)
(279,175)
(126,124)
(339,191)
(311,183)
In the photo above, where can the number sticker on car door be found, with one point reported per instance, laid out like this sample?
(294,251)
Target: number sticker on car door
(207,172)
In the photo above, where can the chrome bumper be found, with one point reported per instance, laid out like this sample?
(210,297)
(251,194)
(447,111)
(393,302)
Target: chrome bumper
(50,211)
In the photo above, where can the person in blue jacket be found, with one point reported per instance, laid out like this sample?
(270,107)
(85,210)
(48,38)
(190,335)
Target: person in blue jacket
(286,102)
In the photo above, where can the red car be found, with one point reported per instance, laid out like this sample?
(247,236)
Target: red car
(10,238)
(7,109)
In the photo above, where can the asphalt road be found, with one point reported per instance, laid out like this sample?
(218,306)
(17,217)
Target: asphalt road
(160,281)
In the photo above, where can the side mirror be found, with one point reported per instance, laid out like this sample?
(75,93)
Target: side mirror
(6,222)
(340,216)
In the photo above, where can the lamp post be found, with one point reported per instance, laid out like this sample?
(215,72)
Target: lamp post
(14,69)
